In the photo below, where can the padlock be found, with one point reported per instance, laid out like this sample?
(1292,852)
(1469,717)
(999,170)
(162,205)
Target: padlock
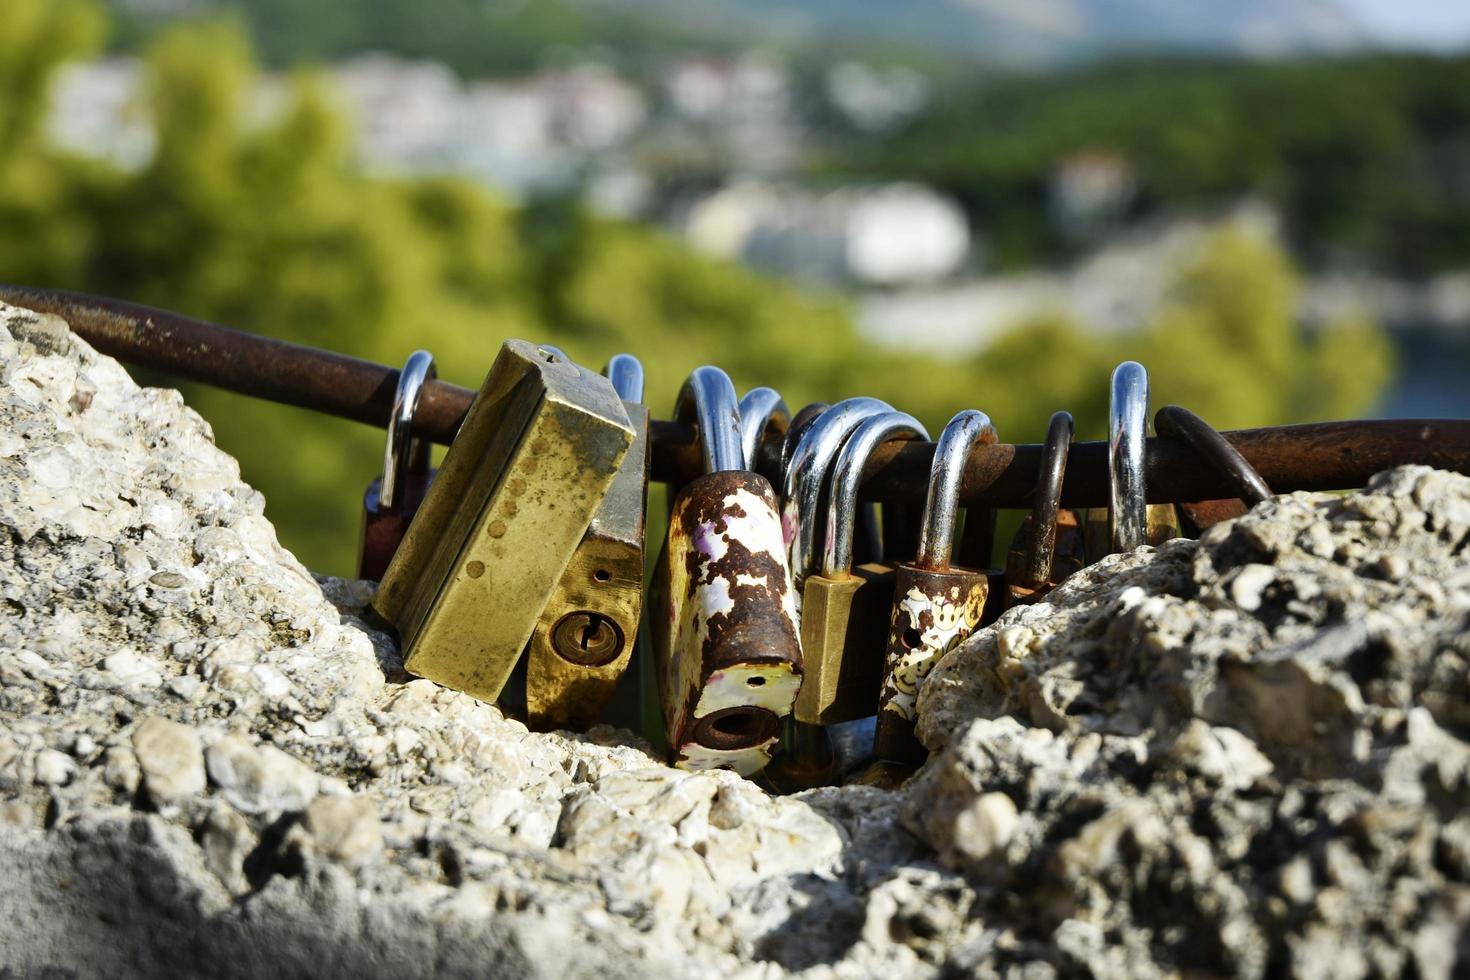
(846,606)
(536,453)
(763,413)
(806,474)
(587,632)
(724,629)
(1048,544)
(394,497)
(936,605)
(1177,422)
(1129,519)
(806,758)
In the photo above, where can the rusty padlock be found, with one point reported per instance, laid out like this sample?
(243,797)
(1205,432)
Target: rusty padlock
(1048,544)
(1129,519)
(394,497)
(846,606)
(587,632)
(724,629)
(1177,422)
(936,605)
(536,453)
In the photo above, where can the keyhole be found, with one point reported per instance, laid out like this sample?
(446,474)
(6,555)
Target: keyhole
(587,639)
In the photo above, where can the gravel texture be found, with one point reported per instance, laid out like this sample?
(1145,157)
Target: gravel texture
(1245,756)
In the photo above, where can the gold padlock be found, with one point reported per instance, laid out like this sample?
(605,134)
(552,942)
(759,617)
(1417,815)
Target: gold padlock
(846,606)
(587,632)
(534,457)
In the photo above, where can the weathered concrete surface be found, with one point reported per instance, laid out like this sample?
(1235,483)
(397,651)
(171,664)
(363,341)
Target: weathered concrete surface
(1240,757)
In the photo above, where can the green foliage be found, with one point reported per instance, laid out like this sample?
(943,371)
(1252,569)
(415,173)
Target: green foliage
(1362,153)
(267,226)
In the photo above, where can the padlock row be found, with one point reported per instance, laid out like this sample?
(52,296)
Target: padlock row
(531,537)
(786,618)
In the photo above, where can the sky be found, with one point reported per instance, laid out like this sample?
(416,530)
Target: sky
(1415,23)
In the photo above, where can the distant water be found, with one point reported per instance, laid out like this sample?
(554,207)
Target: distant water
(1434,377)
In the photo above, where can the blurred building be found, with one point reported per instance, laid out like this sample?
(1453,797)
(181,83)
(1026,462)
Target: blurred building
(1089,192)
(526,135)
(883,235)
(97,112)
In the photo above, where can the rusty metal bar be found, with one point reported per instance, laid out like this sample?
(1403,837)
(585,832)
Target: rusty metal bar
(1315,456)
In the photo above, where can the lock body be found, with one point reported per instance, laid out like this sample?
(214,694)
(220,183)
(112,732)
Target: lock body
(843,619)
(1068,556)
(587,632)
(725,639)
(1161,524)
(383,528)
(535,455)
(933,612)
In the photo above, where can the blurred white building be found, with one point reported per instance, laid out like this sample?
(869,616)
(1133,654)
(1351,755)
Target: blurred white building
(522,135)
(885,235)
(97,112)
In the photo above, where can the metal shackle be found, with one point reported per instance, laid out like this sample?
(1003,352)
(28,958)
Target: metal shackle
(759,410)
(1178,422)
(404,454)
(847,473)
(1042,545)
(951,453)
(1127,440)
(800,422)
(708,400)
(626,374)
(810,461)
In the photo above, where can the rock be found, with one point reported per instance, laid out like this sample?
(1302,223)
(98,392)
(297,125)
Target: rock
(53,768)
(1243,756)
(169,760)
(259,778)
(343,829)
(227,839)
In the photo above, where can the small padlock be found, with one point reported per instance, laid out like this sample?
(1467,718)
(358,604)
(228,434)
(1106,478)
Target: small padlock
(806,758)
(1048,544)
(536,453)
(724,628)
(1129,519)
(394,497)
(846,607)
(587,632)
(806,474)
(935,605)
(1177,422)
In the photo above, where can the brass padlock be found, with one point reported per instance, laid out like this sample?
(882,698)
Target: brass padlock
(394,497)
(1177,422)
(1048,544)
(806,474)
(1129,519)
(534,457)
(846,606)
(806,757)
(586,634)
(936,605)
(724,631)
